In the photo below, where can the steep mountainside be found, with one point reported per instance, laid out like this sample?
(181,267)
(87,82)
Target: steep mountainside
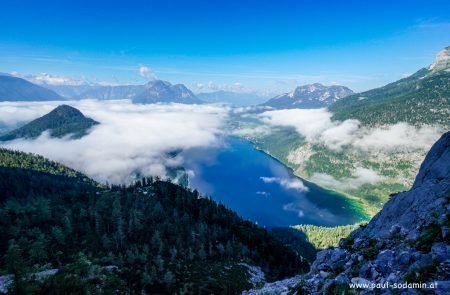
(62,121)
(408,241)
(17,89)
(422,98)
(309,97)
(234,98)
(414,109)
(163,91)
(153,236)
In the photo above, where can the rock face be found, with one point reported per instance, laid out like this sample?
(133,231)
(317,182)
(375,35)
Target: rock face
(442,61)
(309,97)
(409,212)
(408,241)
(162,91)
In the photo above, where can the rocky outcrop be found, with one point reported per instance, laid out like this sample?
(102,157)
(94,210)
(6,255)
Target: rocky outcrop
(405,248)
(442,61)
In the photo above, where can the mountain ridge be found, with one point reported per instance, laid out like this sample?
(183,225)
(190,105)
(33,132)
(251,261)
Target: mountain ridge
(310,96)
(17,89)
(163,91)
(427,90)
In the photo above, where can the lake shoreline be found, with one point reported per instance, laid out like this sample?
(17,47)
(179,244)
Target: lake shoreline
(259,187)
(356,201)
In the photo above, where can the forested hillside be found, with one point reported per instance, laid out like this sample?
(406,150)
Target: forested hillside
(422,98)
(153,235)
(63,120)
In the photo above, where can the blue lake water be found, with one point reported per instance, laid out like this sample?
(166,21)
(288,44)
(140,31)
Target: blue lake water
(261,189)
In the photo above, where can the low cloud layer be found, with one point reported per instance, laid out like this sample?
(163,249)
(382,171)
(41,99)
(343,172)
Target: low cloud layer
(317,127)
(293,183)
(131,139)
(359,177)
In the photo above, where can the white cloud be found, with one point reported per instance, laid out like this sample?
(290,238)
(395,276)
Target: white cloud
(246,132)
(146,73)
(130,139)
(293,183)
(400,136)
(339,134)
(293,208)
(13,113)
(359,177)
(199,85)
(48,79)
(309,123)
(317,127)
(213,86)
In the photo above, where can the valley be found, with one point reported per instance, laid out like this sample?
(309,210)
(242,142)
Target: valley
(224,147)
(264,190)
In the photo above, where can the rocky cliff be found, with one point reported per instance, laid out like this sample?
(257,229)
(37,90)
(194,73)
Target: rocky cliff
(405,248)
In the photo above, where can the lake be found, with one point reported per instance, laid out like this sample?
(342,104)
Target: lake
(260,188)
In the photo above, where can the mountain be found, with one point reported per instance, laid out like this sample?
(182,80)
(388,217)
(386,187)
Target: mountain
(112,92)
(162,91)
(422,98)
(229,97)
(73,91)
(154,237)
(156,91)
(61,121)
(408,241)
(17,89)
(442,61)
(309,97)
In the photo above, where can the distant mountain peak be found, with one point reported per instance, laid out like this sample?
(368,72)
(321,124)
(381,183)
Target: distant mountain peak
(162,91)
(442,61)
(314,95)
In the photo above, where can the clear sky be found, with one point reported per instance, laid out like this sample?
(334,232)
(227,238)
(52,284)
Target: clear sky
(254,45)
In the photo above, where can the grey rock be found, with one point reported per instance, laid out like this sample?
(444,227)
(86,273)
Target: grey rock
(442,287)
(445,232)
(384,261)
(338,254)
(440,251)
(342,279)
(366,270)
(404,258)
(411,209)
(395,230)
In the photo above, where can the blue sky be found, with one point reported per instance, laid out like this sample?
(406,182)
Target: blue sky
(268,46)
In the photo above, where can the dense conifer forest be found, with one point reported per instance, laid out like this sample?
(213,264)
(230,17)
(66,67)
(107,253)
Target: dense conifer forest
(152,235)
